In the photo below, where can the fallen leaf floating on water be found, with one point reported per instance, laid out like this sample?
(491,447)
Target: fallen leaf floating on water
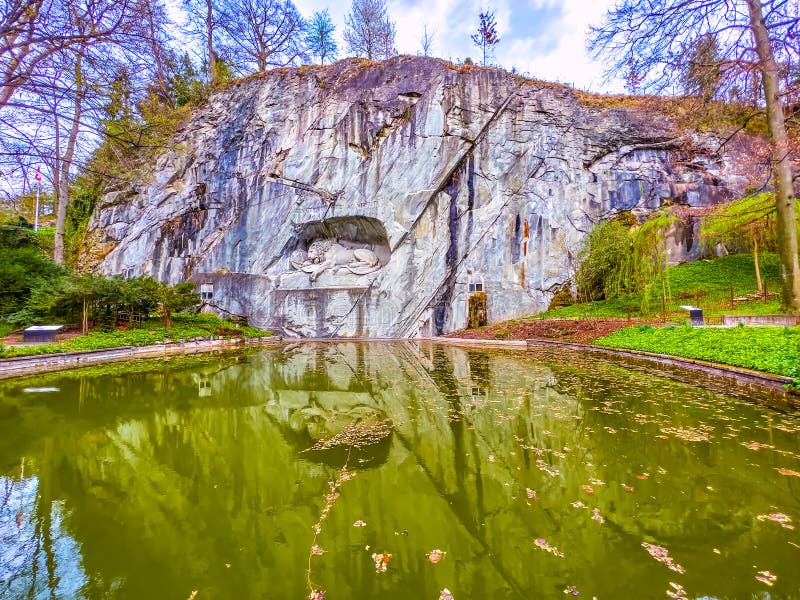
(755,445)
(381,561)
(571,591)
(316,550)
(690,434)
(531,494)
(788,472)
(542,544)
(597,516)
(677,592)
(543,466)
(434,556)
(784,520)
(446,595)
(316,595)
(662,556)
(356,435)
(359,523)
(767,577)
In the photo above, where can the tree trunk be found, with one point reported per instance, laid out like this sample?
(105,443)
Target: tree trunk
(62,182)
(156,49)
(212,59)
(781,165)
(757,266)
(85,321)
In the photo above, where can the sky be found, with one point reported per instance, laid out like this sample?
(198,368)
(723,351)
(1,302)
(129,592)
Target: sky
(544,39)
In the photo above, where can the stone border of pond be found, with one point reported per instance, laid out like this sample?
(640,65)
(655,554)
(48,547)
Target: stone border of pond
(33,365)
(765,386)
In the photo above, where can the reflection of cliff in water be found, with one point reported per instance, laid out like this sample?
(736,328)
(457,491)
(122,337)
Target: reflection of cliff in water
(170,474)
(186,459)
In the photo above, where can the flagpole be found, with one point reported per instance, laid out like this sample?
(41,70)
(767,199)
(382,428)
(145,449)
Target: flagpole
(38,178)
(36,216)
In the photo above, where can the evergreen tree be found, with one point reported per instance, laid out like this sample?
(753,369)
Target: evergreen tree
(486,38)
(319,38)
(703,68)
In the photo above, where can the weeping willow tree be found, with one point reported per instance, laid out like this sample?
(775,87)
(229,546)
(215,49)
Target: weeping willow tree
(749,224)
(744,224)
(644,268)
(601,258)
(622,257)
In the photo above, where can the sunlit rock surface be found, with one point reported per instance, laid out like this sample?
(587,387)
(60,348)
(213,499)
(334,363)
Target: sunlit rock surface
(457,178)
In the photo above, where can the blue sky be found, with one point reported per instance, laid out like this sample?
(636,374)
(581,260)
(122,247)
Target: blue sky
(543,38)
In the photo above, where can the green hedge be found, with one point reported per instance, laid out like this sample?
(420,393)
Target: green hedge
(186,326)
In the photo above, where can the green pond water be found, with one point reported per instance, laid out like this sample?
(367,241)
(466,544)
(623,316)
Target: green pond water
(535,476)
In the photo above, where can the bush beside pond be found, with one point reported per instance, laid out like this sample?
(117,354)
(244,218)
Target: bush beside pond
(186,326)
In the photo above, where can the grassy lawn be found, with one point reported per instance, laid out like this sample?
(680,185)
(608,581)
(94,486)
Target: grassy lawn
(768,349)
(706,283)
(185,326)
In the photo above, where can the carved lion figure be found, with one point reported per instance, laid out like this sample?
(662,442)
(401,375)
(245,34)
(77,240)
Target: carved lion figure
(338,255)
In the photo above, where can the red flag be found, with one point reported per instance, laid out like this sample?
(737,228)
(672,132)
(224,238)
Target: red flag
(38,176)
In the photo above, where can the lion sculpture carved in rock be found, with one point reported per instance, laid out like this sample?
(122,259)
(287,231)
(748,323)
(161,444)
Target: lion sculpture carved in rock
(338,256)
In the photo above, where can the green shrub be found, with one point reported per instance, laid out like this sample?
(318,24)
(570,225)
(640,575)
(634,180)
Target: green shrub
(601,261)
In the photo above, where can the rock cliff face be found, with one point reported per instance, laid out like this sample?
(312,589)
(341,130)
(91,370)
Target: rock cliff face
(373,199)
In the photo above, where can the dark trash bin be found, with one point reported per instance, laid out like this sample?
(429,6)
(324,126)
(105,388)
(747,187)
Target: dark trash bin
(695,315)
(41,334)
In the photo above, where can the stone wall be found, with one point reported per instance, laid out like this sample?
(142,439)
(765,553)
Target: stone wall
(437,177)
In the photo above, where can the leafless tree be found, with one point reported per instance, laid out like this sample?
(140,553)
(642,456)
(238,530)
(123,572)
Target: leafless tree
(31,31)
(486,38)
(55,85)
(368,30)
(753,37)
(263,33)
(203,17)
(426,40)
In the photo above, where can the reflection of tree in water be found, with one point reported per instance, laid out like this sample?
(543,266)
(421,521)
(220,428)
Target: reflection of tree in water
(36,553)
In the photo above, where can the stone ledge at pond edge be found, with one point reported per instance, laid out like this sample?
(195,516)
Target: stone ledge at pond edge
(724,378)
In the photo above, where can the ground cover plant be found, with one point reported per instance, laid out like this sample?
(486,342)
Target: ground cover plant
(768,349)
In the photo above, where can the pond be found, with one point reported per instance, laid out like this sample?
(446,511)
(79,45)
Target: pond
(402,471)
